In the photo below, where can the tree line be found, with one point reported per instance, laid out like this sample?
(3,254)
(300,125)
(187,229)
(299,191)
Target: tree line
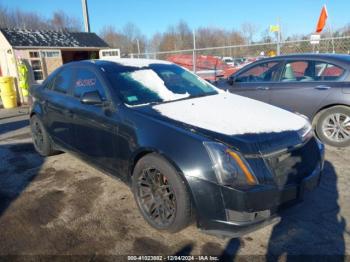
(130,39)
(17,18)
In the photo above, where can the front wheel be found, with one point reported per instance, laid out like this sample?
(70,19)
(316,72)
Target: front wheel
(333,126)
(161,194)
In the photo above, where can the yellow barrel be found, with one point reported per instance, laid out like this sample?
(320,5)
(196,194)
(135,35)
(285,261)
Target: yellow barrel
(8,92)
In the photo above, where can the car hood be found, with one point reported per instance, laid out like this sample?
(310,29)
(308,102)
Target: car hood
(251,126)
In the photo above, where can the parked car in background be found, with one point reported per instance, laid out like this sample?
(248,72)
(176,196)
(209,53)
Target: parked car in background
(228,60)
(187,149)
(207,67)
(315,85)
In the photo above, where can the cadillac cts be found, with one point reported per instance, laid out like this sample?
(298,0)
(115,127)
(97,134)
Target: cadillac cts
(189,151)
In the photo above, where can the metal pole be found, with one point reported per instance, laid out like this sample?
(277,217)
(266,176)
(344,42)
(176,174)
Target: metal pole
(194,53)
(85,15)
(331,33)
(138,48)
(278,37)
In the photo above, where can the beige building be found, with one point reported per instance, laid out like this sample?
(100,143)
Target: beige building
(44,51)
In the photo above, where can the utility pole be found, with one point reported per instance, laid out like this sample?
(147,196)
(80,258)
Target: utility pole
(86,16)
(194,53)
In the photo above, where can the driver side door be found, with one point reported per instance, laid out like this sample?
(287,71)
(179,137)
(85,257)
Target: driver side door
(256,81)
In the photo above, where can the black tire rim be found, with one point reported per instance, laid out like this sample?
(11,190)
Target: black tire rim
(156,197)
(37,134)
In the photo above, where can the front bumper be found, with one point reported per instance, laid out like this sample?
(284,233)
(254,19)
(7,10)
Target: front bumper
(249,210)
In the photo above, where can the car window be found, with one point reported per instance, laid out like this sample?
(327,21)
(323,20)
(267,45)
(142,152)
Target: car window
(62,81)
(305,71)
(87,81)
(329,72)
(264,72)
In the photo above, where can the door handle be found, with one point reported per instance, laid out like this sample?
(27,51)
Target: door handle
(263,88)
(322,87)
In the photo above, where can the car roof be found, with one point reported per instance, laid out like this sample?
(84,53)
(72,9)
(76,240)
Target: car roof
(133,62)
(121,62)
(326,56)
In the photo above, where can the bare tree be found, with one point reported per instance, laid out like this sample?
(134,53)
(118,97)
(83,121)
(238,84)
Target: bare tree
(249,30)
(60,21)
(30,20)
(125,39)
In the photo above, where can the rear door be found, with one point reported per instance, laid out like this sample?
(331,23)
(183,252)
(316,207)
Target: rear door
(304,84)
(95,126)
(255,81)
(58,106)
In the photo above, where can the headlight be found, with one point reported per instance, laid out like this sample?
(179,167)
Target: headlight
(229,166)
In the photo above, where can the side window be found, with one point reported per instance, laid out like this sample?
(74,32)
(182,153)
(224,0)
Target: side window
(297,71)
(265,72)
(62,81)
(87,81)
(328,72)
(304,71)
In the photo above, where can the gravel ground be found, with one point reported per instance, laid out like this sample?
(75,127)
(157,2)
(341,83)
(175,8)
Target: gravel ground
(60,205)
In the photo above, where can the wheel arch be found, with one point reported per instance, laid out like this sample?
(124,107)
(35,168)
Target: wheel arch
(149,150)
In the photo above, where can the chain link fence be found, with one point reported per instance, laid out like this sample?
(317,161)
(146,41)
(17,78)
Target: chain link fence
(199,59)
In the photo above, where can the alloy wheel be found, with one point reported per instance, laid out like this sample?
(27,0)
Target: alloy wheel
(156,197)
(336,127)
(37,134)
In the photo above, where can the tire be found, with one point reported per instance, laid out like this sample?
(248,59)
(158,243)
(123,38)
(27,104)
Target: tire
(174,212)
(41,139)
(333,126)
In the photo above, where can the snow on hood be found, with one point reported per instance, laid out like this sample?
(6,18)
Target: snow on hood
(149,79)
(231,114)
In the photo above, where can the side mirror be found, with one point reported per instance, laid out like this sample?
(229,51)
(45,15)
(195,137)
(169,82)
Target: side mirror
(231,80)
(91,98)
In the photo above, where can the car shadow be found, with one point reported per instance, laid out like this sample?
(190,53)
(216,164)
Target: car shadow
(19,166)
(11,126)
(313,229)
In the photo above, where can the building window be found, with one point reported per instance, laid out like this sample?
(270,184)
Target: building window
(34,54)
(50,54)
(37,70)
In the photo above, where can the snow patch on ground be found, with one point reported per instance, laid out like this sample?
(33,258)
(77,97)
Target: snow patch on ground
(149,79)
(135,62)
(231,114)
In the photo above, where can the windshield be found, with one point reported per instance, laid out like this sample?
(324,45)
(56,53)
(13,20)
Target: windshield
(157,83)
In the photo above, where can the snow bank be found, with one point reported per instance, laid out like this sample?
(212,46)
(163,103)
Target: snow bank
(149,79)
(231,114)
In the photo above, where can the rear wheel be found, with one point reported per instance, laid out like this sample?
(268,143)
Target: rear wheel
(41,140)
(161,194)
(333,126)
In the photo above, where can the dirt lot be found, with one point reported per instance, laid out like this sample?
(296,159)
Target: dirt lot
(60,205)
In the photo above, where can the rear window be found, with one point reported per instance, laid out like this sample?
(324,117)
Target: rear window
(62,81)
(311,71)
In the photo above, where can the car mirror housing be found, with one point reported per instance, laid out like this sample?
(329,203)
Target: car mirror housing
(91,98)
(231,80)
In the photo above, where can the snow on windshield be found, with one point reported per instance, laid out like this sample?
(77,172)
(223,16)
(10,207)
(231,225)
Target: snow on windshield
(149,79)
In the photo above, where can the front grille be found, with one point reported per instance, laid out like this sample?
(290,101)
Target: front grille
(291,167)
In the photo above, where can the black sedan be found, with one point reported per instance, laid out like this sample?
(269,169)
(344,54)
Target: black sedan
(315,85)
(188,150)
